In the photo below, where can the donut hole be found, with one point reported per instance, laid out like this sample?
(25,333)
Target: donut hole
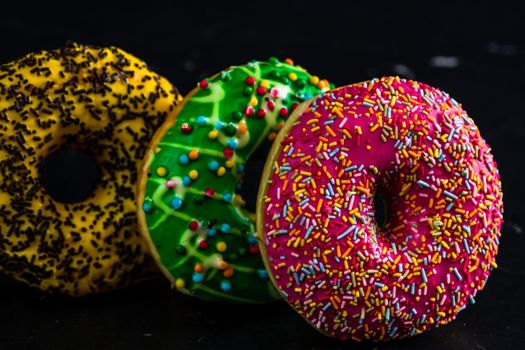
(250,183)
(69,175)
(380,212)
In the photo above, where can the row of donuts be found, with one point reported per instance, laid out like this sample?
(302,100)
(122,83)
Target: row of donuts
(171,171)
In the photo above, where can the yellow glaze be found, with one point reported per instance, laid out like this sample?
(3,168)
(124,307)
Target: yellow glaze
(100,100)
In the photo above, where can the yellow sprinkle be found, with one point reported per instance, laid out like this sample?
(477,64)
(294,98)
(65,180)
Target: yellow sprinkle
(292,76)
(194,154)
(338,112)
(314,79)
(230,163)
(213,134)
(221,246)
(179,283)
(330,131)
(265,84)
(254,101)
(161,171)
(194,174)
(221,171)
(312,121)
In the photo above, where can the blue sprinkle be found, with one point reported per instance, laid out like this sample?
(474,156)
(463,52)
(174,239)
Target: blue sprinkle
(211,232)
(186,181)
(240,168)
(472,300)
(226,286)
(213,165)
(422,183)
(232,143)
(327,306)
(450,194)
(304,201)
(263,274)
(183,159)
(424,275)
(197,278)
(321,266)
(346,232)
(252,239)
(176,203)
(392,332)
(225,228)
(219,125)
(310,229)
(456,272)
(201,120)
(227,197)
(147,207)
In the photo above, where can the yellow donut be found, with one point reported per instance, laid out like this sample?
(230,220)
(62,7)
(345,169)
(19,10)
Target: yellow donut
(107,103)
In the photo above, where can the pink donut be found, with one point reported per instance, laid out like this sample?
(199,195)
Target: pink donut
(417,148)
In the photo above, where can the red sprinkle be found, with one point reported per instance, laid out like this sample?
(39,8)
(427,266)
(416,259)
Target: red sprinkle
(248,111)
(261,90)
(271,105)
(261,113)
(250,81)
(228,152)
(254,249)
(295,105)
(209,192)
(194,225)
(203,245)
(185,128)
(204,84)
(283,112)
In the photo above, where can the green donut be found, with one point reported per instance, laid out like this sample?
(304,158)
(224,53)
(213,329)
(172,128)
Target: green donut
(190,211)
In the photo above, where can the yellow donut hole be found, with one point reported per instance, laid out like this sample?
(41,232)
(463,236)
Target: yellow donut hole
(314,80)
(221,171)
(292,76)
(161,171)
(221,246)
(230,163)
(194,154)
(179,283)
(194,174)
(213,134)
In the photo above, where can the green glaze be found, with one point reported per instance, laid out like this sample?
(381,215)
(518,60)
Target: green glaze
(219,106)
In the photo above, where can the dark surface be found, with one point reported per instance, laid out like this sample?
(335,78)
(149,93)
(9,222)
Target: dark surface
(483,51)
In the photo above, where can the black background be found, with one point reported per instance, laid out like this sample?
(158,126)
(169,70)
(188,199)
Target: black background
(475,51)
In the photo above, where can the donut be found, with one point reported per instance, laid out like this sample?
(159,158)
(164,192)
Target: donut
(190,210)
(106,103)
(413,146)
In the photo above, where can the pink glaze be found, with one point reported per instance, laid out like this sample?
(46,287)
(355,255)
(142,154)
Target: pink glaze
(416,147)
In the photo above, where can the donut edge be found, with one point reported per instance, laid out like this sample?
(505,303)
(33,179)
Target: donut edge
(142,179)
(263,188)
